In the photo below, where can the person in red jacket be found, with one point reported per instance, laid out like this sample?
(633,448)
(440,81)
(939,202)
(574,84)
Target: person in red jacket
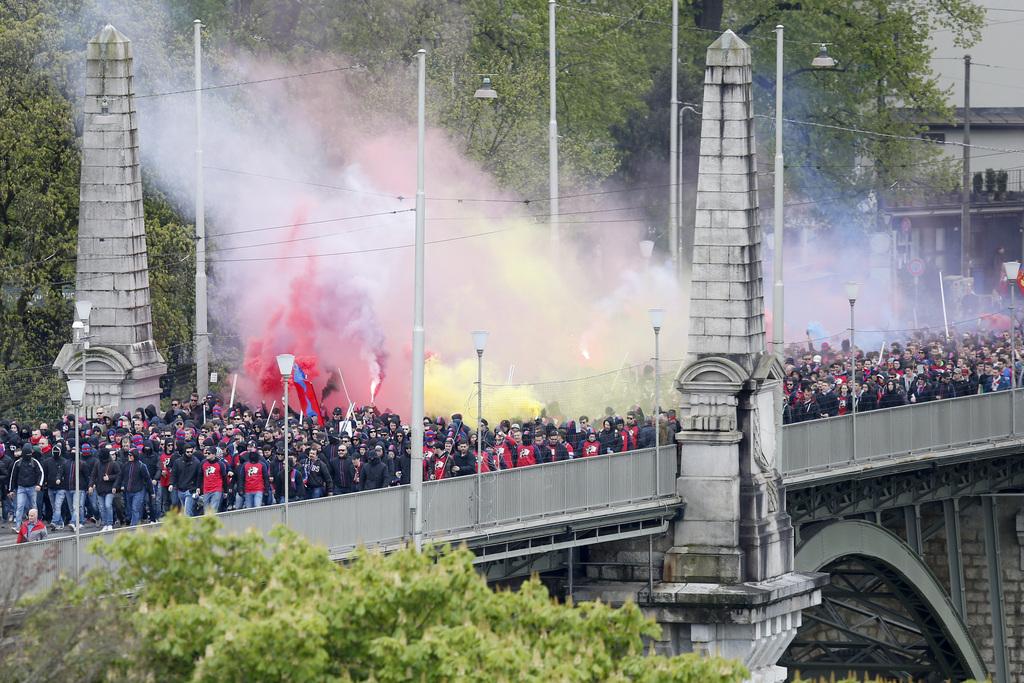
(32,529)
(163,493)
(504,447)
(630,434)
(441,458)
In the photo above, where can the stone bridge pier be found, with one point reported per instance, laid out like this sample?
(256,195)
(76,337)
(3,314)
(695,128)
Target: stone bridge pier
(724,583)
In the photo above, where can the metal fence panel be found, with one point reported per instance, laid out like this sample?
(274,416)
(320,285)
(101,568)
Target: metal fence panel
(936,425)
(376,517)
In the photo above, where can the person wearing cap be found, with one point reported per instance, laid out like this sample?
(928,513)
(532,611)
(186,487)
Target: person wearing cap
(25,481)
(215,480)
(254,477)
(317,475)
(185,483)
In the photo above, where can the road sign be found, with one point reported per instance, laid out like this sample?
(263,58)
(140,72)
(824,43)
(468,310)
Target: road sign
(915,267)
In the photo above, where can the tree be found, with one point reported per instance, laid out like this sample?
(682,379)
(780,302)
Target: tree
(208,606)
(38,209)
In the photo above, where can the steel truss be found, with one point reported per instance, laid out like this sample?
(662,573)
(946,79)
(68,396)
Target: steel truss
(874,492)
(872,622)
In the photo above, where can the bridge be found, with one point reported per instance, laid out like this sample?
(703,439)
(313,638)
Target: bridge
(896,523)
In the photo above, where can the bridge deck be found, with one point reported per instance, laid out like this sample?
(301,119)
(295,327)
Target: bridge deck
(517,512)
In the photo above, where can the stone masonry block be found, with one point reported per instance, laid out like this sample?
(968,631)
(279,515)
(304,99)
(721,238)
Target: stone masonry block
(736,183)
(701,255)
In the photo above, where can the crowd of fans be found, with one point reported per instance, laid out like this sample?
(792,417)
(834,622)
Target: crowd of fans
(930,367)
(201,456)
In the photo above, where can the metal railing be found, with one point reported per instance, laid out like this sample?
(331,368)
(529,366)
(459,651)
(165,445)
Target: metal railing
(521,497)
(932,427)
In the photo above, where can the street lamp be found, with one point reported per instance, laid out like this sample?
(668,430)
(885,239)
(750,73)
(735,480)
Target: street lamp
(416,459)
(674,174)
(80,330)
(852,289)
(479,342)
(646,249)
(486,91)
(552,125)
(1012,270)
(76,392)
(657,316)
(285,364)
(823,60)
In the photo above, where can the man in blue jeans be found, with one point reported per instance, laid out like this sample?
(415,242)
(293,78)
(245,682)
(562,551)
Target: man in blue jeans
(134,481)
(26,480)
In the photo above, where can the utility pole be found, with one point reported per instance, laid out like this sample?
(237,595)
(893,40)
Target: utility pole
(673,150)
(202,338)
(553,126)
(965,204)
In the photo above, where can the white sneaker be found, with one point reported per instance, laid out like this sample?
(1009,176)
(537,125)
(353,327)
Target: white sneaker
(108,528)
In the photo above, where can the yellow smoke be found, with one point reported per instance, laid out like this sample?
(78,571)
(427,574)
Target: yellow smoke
(452,389)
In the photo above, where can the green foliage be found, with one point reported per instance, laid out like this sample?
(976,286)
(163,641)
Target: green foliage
(216,607)
(38,209)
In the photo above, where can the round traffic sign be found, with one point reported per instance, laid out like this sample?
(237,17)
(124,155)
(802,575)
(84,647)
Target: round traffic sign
(916,267)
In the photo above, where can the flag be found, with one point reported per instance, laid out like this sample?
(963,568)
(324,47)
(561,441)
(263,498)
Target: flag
(307,395)
(1020,278)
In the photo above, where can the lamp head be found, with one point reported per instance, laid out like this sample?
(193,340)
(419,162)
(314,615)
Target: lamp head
(1011,268)
(479,340)
(646,248)
(852,290)
(76,390)
(485,91)
(657,316)
(823,60)
(82,310)
(285,363)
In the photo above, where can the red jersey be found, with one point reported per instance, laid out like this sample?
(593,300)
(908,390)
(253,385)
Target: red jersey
(503,454)
(591,448)
(526,456)
(439,464)
(165,471)
(213,476)
(254,479)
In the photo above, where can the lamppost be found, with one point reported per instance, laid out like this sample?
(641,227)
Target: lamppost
(285,364)
(1012,268)
(479,342)
(657,316)
(821,61)
(852,289)
(673,148)
(80,329)
(76,391)
(552,125)
(416,459)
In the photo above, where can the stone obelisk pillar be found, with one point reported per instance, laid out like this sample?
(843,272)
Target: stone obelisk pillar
(735,536)
(123,366)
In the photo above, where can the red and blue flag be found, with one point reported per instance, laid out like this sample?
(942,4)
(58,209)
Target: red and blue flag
(307,395)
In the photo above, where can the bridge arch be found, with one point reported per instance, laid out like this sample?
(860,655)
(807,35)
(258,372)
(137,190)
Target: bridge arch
(883,613)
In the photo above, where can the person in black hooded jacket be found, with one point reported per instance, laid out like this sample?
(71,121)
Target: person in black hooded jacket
(608,438)
(55,478)
(374,473)
(102,480)
(25,482)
